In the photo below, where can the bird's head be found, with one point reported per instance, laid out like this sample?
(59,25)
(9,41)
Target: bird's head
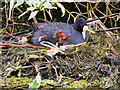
(59,33)
(79,24)
(64,39)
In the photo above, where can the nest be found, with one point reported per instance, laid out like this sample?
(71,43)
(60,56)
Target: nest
(89,61)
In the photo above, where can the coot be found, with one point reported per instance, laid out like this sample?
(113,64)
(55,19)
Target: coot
(49,29)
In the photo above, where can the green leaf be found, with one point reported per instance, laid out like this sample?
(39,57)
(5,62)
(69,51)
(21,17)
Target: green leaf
(47,5)
(38,78)
(40,5)
(62,8)
(32,1)
(36,83)
(19,73)
(98,58)
(90,30)
(30,8)
(88,43)
(26,53)
(33,14)
(11,6)
(22,14)
(19,2)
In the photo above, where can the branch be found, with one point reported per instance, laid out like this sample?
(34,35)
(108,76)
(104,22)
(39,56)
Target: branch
(109,29)
(24,46)
(103,17)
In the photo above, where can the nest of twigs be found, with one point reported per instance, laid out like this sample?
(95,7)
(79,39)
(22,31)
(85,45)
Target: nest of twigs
(97,60)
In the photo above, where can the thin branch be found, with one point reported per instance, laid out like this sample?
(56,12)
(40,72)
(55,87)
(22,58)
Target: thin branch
(104,17)
(109,29)
(24,46)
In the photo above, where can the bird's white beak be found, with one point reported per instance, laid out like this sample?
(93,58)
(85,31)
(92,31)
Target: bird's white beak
(85,28)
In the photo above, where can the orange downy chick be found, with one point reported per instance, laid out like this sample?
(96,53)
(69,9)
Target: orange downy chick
(64,39)
(58,34)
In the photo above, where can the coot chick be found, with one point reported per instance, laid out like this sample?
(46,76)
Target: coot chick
(64,39)
(58,34)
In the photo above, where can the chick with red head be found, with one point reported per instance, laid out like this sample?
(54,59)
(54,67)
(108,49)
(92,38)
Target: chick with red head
(58,34)
(64,39)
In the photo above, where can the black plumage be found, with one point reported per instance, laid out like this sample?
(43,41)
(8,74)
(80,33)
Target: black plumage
(48,29)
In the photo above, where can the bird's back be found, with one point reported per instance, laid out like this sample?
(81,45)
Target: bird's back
(48,29)
(75,38)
